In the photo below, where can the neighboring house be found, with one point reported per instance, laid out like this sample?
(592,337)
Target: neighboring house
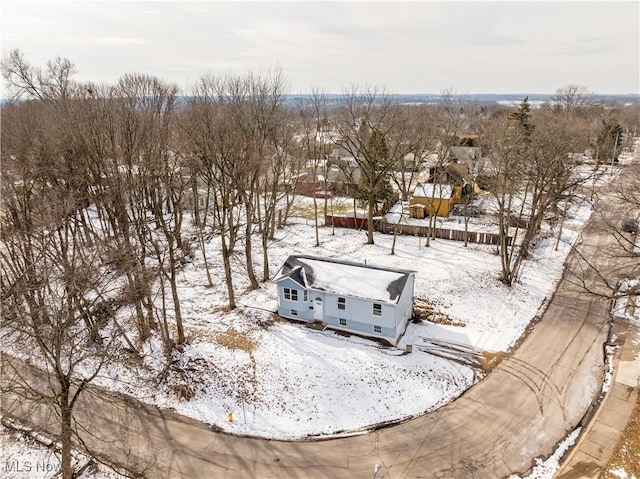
(465,154)
(433,199)
(452,173)
(359,298)
(342,177)
(198,198)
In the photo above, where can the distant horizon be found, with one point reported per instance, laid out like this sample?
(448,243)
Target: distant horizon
(437,94)
(496,97)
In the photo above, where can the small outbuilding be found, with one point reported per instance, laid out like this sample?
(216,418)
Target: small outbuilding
(433,199)
(359,298)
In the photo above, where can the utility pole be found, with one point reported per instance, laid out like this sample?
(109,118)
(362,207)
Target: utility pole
(615,145)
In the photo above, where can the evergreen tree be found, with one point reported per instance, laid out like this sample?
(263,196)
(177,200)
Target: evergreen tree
(609,139)
(523,116)
(372,184)
(377,148)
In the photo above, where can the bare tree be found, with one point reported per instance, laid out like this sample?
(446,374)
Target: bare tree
(54,82)
(532,174)
(52,296)
(418,137)
(212,138)
(503,139)
(55,289)
(161,179)
(315,145)
(137,111)
(623,225)
(572,98)
(448,122)
(365,124)
(280,143)
(254,104)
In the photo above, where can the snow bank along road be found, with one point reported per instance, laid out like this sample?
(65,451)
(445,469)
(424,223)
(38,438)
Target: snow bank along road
(520,411)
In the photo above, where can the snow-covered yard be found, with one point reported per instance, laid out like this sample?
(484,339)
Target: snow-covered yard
(26,454)
(281,380)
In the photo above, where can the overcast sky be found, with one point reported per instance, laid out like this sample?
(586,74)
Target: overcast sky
(407,47)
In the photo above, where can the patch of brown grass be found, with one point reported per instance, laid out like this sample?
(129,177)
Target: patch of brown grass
(489,360)
(626,455)
(341,206)
(233,339)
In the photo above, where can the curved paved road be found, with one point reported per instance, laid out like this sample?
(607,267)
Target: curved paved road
(520,411)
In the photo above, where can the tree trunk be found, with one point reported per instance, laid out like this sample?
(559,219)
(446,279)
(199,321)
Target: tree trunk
(265,257)
(164,328)
(393,243)
(200,223)
(65,429)
(466,229)
(248,252)
(371,205)
(228,276)
(174,294)
(315,219)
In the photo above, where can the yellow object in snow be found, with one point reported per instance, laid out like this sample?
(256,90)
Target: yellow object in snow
(230,417)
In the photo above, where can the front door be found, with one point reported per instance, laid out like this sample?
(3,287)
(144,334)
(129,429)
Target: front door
(317,308)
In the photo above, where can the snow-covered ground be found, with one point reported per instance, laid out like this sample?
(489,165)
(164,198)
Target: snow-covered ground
(282,380)
(546,469)
(249,372)
(621,473)
(26,454)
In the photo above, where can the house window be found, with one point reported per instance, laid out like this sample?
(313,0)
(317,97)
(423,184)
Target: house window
(377,309)
(342,303)
(343,322)
(294,312)
(377,329)
(290,294)
(305,295)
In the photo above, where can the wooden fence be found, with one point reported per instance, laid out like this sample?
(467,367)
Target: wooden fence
(347,222)
(415,230)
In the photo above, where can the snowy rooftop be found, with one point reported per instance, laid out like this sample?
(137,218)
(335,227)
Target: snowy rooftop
(347,278)
(433,190)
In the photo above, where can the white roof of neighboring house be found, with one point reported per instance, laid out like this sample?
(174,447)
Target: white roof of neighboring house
(431,159)
(465,153)
(433,190)
(346,278)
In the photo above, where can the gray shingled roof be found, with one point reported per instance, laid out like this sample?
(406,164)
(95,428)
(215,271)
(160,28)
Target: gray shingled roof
(345,277)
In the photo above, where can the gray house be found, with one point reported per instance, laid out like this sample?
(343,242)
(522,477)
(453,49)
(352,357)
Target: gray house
(359,298)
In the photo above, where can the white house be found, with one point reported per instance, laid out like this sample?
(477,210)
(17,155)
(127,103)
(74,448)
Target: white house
(360,298)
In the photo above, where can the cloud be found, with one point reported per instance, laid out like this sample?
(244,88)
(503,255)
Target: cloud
(407,46)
